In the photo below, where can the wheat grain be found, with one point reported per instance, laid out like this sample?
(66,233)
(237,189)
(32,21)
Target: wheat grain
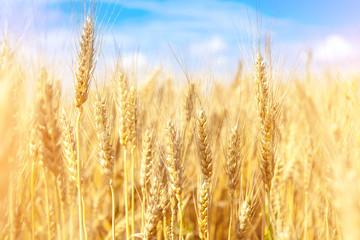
(131,117)
(233,163)
(122,101)
(106,157)
(68,146)
(204,200)
(189,102)
(147,162)
(153,210)
(206,161)
(266,119)
(49,131)
(246,214)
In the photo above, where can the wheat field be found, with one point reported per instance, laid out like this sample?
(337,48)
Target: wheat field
(253,158)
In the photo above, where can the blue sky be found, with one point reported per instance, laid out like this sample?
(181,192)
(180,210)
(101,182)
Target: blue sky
(212,32)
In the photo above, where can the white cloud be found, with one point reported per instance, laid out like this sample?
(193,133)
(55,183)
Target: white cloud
(333,49)
(214,45)
(135,60)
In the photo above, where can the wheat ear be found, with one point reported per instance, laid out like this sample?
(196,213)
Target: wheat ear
(68,147)
(204,146)
(105,150)
(48,99)
(189,102)
(145,172)
(85,64)
(204,200)
(153,209)
(246,214)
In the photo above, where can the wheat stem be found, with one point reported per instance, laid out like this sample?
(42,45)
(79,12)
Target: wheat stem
(306,215)
(56,207)
(263,222)
(269,211)
(113,210)
(181,221)
(84,218)
(173,220)
(132,193)
(60,203)
(71,223)
(143,212)
(185,144)
(12,206)
(164,226)
(47,202)
(33,200)
(78,174)
(126,196)
(231,215)
(326,218)
(63,219)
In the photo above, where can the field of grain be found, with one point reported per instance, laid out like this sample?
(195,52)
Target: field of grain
(254,158)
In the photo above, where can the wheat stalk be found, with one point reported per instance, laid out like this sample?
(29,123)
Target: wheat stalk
(266,119)
(206,163)
(33,152)
(61,186)
(106,157)
(122,101)
(233,165)
(48,100)
(83,75)
(173,160)
(69,156)
(131,127)
(307,175)
(266,114)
